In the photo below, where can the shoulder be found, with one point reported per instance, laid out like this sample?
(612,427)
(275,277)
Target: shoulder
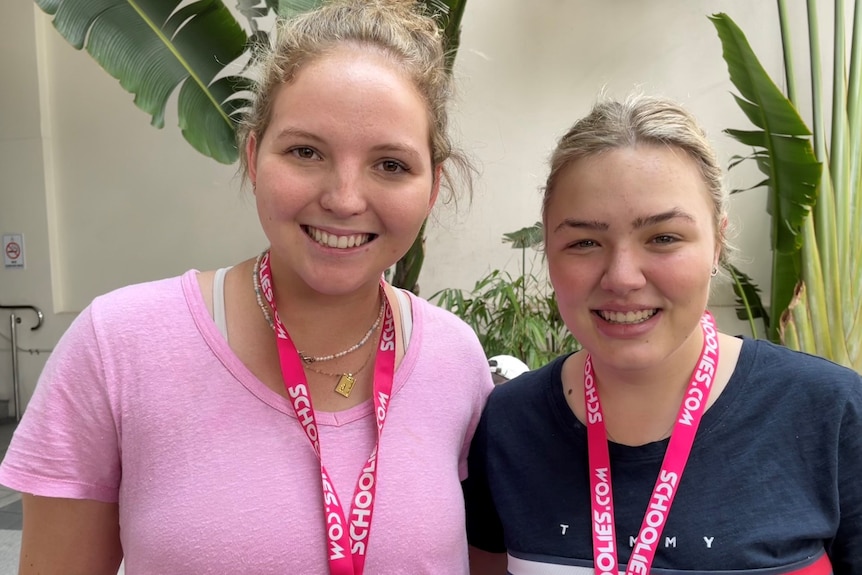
(145,302)
(445,350)
(144,294)
(797,381)
(774,362)
(125,305)
(445,332)
(523,416)
(129,314)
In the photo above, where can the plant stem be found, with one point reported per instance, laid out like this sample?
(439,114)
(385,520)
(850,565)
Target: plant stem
(524,275)
(787,46)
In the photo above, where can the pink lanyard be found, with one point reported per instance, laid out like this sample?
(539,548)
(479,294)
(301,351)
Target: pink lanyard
(347,544)
(681,441)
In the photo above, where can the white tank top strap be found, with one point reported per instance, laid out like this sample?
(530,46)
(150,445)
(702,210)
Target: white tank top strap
(218,301)
(406,315)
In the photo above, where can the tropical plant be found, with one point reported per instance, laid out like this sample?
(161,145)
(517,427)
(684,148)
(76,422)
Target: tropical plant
(817,265)
(515,316)
(154,47)
(784,154)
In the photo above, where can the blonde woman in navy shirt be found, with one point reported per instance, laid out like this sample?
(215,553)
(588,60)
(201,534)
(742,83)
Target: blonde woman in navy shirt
(664,446)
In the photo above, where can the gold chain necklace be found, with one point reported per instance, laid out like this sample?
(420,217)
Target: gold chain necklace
(346,380)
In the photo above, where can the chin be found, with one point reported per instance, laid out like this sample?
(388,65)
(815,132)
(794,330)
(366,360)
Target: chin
(341,283)
(627,355)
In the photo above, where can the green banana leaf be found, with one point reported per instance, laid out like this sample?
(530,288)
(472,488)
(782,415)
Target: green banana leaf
(152,48)
(783,153)
(452,12)
(749,305)
(825,316)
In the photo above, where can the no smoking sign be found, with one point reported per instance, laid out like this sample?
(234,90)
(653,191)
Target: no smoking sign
(13,250)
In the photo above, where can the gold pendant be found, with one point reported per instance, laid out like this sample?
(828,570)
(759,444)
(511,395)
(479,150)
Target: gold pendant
(345,384)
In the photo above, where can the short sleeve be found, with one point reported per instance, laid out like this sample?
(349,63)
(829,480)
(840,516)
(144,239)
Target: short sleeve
(484,528)
(66,444)
(845,550)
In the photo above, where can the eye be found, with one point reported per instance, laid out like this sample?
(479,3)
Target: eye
(393,166)
(665,239)
(582,244)
(304,152)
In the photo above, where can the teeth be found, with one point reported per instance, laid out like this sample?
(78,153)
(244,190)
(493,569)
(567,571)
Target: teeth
(340,242)
(627,317)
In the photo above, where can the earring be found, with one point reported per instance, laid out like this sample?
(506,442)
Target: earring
(714,271)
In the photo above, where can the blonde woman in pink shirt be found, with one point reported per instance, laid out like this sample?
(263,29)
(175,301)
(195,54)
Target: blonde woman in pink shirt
(293,413)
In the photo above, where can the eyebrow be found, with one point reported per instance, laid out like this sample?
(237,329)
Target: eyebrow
(638,223)
(583,224)
(662,217)
(297,133)
(305,135)
(398,148)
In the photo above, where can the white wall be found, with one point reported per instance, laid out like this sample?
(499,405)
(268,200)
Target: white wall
(128,203)
(22,198)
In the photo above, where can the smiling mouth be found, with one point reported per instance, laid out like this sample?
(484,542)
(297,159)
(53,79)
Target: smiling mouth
(626,318)
(339,242)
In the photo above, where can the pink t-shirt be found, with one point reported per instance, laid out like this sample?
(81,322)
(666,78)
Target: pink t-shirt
(144,403)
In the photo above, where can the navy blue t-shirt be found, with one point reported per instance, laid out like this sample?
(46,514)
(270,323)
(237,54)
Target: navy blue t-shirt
(774,478)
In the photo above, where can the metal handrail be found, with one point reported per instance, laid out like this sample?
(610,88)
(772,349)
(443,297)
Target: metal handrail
(14,320)
(39,316)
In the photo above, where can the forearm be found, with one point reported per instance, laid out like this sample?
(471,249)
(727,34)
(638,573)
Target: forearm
(69,537)
(487,563)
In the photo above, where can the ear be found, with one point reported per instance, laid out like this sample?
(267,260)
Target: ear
(251,158)
(435,186)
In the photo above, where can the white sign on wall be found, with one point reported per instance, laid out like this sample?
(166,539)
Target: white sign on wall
(13,251)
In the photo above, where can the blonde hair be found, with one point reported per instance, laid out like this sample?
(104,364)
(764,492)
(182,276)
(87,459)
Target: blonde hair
(643,119)
(399,29)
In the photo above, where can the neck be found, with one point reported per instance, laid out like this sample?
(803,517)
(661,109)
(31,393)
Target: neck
(295,299)
(321,323)
(641,405)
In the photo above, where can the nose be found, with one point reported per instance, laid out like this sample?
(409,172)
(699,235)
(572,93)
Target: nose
(343,193)
(623,272)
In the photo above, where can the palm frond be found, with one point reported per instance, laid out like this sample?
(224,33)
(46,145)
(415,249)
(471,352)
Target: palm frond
(253,10)
(152,47)
(450,13)
(529,237)
(791,168)
(824,313)
(831,295)
(748,302)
